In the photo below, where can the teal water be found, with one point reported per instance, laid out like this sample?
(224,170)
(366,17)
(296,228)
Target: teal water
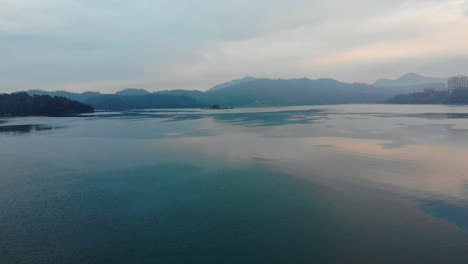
(326,184)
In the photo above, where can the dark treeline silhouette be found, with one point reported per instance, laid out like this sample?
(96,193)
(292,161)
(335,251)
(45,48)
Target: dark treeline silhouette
(20,104)
(457,97)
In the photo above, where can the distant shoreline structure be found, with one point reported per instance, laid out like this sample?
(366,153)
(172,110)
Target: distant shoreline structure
(459,82)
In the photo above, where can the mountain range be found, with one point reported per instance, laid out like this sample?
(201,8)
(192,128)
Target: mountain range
(251,91)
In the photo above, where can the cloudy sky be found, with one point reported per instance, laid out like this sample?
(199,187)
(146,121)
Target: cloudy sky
(108,45)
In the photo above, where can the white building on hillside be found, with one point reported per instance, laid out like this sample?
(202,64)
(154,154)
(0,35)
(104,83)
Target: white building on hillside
(457,82)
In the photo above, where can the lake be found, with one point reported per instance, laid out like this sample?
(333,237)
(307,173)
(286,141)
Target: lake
(309,184)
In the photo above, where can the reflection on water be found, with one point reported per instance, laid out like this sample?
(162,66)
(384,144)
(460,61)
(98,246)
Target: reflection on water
(271,119)
(328,184)
(24,129)
(278,118)
(455,212)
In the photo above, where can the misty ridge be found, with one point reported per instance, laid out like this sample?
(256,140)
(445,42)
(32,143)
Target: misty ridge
(256,92)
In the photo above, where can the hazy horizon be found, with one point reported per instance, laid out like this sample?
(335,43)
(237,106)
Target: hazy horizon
(107,46)
(115,90)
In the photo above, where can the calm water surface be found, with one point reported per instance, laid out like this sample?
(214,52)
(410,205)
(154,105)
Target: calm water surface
(327,184)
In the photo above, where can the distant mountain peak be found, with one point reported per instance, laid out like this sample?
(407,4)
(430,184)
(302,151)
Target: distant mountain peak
(231,83)
(409,79)
(132,91)
(411,76)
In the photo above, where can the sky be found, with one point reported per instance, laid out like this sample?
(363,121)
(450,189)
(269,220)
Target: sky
(109,45)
